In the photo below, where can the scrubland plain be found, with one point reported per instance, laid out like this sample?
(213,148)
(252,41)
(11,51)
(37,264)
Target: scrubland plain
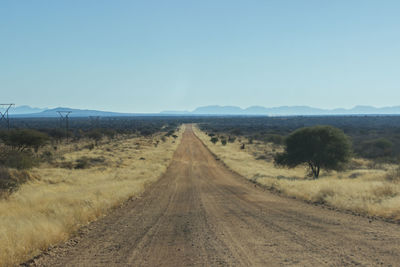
(199,213)
(76,188)
(364,188)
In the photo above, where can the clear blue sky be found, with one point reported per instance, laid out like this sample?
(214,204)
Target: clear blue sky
(148,56)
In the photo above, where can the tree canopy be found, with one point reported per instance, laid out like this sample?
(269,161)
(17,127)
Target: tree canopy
(319,147)
(20,139)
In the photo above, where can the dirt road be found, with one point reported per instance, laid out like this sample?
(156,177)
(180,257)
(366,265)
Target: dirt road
(199,213)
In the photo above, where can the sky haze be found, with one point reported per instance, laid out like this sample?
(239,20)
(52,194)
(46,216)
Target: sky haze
(149,56)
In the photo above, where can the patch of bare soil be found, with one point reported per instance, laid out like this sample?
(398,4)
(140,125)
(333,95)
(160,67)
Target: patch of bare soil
(200,213)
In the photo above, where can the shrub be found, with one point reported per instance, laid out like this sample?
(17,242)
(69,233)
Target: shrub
(18,159)
(214,140)
(82,163)
(394,175)
(231,139)
(95,135)
(86,162)
(47,156)
(169,133)
(65,165)
(9,182)
(110,133)
(20,139)
(275,139)
(223,142)
(156,143)
(376,148)
(6,182)
(90,146)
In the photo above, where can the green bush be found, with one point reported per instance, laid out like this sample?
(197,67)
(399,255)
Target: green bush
(82,163)
(21,139)
(376,148)
(214,140)
(95,135)
(275,139)
(231,139)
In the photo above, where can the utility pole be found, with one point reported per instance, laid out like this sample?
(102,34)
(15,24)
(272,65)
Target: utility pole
(4,114)
(64,116)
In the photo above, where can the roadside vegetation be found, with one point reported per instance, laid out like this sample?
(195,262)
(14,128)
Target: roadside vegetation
(372,137)
(53,181)
(364,186)
(50,187)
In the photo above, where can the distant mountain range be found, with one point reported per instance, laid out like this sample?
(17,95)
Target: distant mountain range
(287,111)
(27,111)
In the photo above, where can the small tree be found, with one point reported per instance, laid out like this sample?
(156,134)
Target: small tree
(318,147)
(214,140)
(231,139)
(20,139)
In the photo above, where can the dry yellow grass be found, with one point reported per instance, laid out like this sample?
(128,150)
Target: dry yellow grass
(58,201)
(362,189)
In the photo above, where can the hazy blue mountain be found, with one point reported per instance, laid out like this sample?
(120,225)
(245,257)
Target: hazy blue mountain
(51,113)
(24,110)
(288,110)
(175,112)
(220,110)
(256,110)
(295,110)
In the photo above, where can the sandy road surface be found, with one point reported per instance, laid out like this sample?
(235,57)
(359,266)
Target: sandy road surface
(199,213)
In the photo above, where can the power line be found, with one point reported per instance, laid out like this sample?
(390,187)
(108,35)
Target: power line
(4,115)
(64,116)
